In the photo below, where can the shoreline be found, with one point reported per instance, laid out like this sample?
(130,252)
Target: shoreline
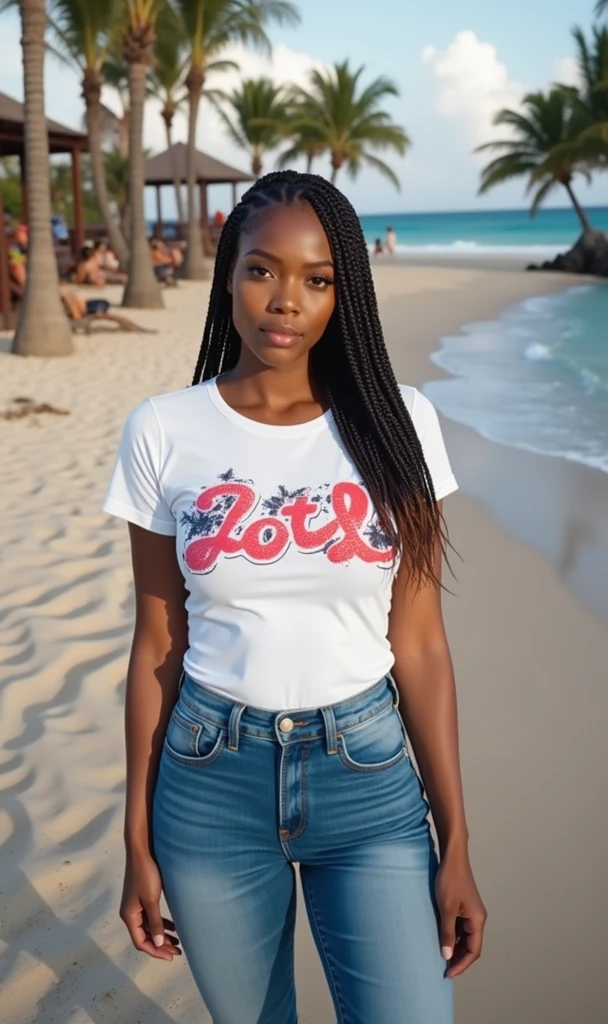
(529,661)
(559,511)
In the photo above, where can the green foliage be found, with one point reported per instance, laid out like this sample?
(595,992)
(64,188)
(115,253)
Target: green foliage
(208,25)
(339,116)
(258,111)
(10,186)
(549,121)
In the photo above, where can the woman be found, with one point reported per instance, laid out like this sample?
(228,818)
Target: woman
(301,488)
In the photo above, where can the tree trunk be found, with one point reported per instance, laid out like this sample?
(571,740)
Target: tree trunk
(195,268)
(91,91)
(580,213)
(43,328)
(167,117)
(124,130)
(142,290)
(334,175)
(256,165)
(309,160)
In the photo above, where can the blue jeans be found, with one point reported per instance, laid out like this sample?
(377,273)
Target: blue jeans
(242,794)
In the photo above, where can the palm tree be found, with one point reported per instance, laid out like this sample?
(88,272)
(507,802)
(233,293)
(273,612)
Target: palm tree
(347,122)
(142,288)
(82,34)
(592,98)
(167,83)
(302,133)
(532,151)
(601,6)
(43,328)
(258,117)
(116,75)
(208,25)
(116,167)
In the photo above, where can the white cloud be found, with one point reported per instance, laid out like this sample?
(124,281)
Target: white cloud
(472,84)
(567,71)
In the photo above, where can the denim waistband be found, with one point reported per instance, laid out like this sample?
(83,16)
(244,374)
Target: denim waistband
(287,726)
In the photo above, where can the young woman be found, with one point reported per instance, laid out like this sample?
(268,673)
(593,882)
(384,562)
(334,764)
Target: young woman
(287,538)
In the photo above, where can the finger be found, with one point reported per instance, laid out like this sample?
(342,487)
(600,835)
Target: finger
(468,946)
(447,931)
(169,926)
(142,940)
(154,922)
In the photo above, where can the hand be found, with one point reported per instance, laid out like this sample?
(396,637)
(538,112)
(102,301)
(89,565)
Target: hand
(140,910)
(463,915)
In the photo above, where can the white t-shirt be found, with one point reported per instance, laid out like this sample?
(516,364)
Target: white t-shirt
(286,567)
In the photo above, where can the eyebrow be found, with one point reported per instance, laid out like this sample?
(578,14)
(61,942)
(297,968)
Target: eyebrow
(277,259)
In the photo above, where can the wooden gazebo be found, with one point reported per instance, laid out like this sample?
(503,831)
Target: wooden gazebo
(164,168)
(12,143)
(61,140)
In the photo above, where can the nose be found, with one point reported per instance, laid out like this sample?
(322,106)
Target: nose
(285,298)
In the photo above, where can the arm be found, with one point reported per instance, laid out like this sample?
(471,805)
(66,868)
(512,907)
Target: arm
(425,679)
(159,642)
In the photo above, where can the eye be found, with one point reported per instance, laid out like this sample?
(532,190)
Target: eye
(259,271)
(320,281)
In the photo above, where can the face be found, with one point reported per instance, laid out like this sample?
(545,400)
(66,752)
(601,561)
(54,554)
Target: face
(282,286)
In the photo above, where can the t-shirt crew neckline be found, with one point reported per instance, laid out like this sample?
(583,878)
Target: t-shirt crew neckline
(266,429)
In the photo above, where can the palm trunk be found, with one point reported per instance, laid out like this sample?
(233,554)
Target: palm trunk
(309,160)
(195,268)
(91,91)
(580,213)
(142,290)
(256,165)
(43,328)
(168,119)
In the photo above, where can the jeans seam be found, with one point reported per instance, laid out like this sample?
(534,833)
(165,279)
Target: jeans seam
(328,958)
(304,778)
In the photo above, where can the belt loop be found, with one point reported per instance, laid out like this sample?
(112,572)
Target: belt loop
(394,688)
(330,730)
(233,726)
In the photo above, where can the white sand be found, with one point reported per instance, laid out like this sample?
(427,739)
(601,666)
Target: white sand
(65,629)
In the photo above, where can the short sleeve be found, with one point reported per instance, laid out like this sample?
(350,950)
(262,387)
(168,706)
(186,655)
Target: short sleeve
(428,429)
(134,492)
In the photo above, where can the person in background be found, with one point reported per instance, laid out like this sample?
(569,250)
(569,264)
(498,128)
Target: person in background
(391,241)
(378,247)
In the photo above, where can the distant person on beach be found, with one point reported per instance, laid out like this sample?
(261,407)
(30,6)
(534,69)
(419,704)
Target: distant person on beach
(378,247)
(95,266)
(289,652)
(391,241)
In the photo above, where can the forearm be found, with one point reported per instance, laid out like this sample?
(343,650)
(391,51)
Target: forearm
(428,706)
(152,686)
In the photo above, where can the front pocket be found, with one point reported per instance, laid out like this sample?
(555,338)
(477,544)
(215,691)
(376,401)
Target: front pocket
(375,745)
(191,741)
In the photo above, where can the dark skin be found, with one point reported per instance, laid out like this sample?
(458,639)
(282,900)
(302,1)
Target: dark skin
(283,297)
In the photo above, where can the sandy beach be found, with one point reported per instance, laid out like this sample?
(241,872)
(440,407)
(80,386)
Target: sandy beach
(528,639)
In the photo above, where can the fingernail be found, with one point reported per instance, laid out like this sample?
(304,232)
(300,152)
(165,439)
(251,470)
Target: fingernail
(446,952)
(158,940)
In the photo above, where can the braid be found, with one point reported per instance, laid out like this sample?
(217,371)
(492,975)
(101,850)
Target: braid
(350,362)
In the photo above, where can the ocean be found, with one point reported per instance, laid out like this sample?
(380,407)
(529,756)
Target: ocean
(499,232)
(536,378)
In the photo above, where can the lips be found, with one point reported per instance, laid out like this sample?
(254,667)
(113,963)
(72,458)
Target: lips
(282,337)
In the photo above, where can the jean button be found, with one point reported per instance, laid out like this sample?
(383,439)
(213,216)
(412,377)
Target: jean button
(286,725)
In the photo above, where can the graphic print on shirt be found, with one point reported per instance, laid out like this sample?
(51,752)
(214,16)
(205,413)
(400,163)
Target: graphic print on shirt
(336,520)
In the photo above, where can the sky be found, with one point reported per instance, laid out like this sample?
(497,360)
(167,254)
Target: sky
(455,65)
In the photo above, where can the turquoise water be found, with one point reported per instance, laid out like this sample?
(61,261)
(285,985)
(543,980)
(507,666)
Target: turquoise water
(537,378)
(500,231)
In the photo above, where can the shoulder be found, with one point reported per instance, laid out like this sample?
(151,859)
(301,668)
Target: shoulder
(421,409)
(162,412)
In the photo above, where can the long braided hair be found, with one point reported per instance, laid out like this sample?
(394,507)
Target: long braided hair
(350,364)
